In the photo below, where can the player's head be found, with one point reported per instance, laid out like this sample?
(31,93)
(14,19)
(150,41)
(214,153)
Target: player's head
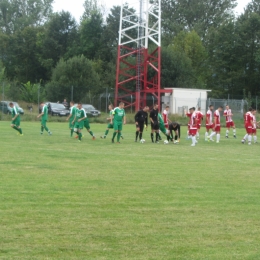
(211,107)
(174,124)
(121,105)
(192,109)
(11,104)
(198,108)
(79,105)
(155,106)
(220,108)
(72,103)
(110,107)
(227,107)
(42,104)
(146,109)
(250,109)
(167,108)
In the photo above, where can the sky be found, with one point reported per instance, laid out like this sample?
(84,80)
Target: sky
(75,7)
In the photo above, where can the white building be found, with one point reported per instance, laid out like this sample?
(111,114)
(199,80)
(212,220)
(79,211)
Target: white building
(182,99)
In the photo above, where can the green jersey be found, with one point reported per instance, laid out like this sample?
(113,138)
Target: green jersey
(72,112)
(161,122)
(119,114)
(80,113)
(45,113)
(15,112)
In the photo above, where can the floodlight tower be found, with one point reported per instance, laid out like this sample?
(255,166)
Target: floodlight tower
(138,72)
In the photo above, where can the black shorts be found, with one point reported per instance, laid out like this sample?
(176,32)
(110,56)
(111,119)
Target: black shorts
(155,126)
(140,125)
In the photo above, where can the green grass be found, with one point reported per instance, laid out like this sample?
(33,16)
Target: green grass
(60,199)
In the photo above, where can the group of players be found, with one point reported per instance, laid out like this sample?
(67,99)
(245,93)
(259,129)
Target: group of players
(160,123)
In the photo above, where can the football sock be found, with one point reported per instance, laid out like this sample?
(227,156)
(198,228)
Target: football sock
(193,138)
(234,131)
(80,135)
(42,128)
(152,136)
(249,138)
(91,133)
(206,135)
(255,138)
(118,136)
(114,135)
(106,132)
(16,128)
(198,134)
(21,131)
(218,137)
(140,136)
(176,137)
(157,137)
(168,138)
(71,132)
(136,135)
(46,128)
(227,132)
(212,134)
(245,137)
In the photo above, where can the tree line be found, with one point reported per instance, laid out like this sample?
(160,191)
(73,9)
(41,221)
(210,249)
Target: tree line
(204,45)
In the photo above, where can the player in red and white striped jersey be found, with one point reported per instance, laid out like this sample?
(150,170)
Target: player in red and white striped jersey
(193,123)
(216,127)
(165,117)
(199,118)
(229,122)
(249,126)
(188,114)
(209,121)
(254,131)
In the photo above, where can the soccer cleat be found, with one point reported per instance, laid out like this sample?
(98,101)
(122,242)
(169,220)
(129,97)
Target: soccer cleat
(249,143)
(217,142)
(157,142)
(235,136)
(50,133)
(41,133)
(113,141)
(118,142)
(242,141)
(93,137)
(20,134)
(122,137)
(226,136)
(193,145)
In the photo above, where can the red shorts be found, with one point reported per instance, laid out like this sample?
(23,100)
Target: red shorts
(253,130)
(198,126)
(249,130)
(217,128)
(208,127)
(230,124)
(193,131)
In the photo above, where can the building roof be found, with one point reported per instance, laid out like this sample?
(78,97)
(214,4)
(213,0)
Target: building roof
(190,89)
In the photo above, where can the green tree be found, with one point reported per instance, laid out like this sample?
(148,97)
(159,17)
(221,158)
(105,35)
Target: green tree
(77,72)
(29,92)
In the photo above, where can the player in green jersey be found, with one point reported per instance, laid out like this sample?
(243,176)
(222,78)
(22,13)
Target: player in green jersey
(44,118)
(162,127)
(109,125)
(15,124)
(78,120)
(118,119)
(71,117)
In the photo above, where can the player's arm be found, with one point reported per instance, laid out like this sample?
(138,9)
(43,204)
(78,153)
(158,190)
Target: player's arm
(151,115)
(136,117)
(146,121)
(16,115)
(124,119)
(83,118)
(70,115)
(41,114)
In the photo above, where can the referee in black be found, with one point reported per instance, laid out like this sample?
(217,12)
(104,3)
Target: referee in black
(154,123)
(141,119)
(173,126)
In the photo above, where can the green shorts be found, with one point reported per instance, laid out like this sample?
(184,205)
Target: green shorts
(118,126)
(16,122)
(86,124)
(110,126)
(79,125)
(71,125)
(43,122)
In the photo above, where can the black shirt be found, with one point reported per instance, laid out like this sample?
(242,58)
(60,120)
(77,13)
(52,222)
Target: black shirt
(174,128)
(154,115)
(141,117)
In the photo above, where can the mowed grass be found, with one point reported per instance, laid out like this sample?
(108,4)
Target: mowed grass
(60,199)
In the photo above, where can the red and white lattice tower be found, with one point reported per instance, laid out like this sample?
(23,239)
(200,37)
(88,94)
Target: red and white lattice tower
(138,73)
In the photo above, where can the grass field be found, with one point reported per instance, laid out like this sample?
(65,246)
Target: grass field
(60,199)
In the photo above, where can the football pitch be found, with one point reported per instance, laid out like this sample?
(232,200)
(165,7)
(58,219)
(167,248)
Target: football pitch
(61,199)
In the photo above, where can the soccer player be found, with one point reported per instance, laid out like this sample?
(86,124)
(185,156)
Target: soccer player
(229,122)
(199,118)
(162,127)
(118,119)
(193,126)
(71,117)
(188,114)
(110,125)
(44,118)
(141,121)
(177,129)
(15,124)
(78,120)
(165,116)
(249,126)
(209,122)
(254,131)
(154,123)
(216,125)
